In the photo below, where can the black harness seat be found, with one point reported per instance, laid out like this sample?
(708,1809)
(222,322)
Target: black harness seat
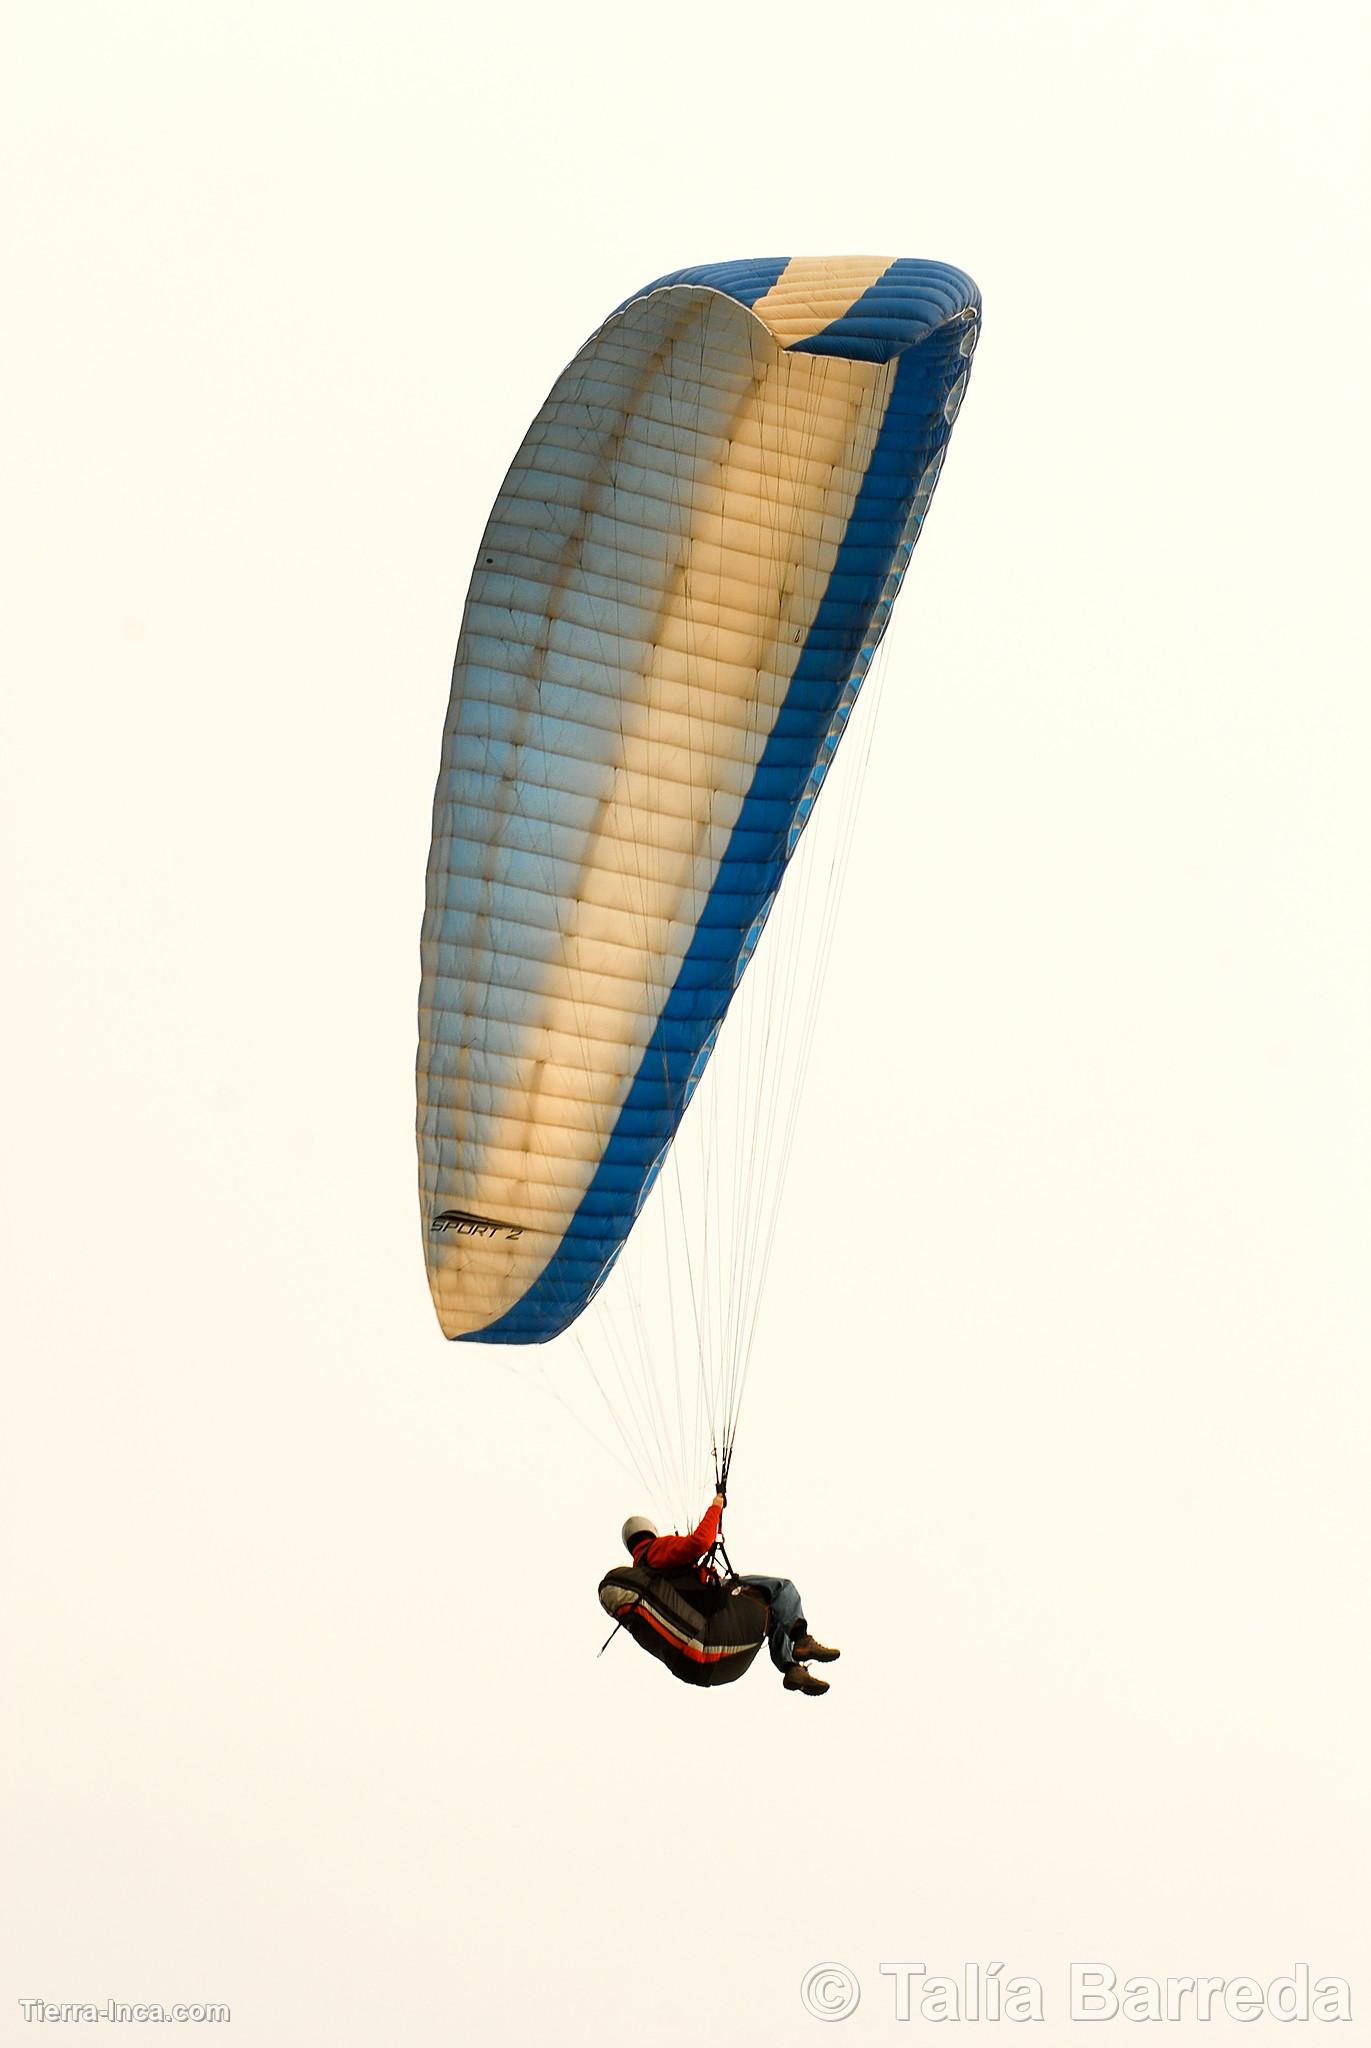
(709,1640)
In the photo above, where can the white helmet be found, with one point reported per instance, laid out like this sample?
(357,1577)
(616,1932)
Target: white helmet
(636,1527)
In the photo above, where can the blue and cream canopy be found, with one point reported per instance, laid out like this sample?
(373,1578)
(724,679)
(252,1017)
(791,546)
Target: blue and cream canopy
(682,584)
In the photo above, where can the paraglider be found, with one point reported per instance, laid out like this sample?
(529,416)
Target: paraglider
(706,1624)
(680,590)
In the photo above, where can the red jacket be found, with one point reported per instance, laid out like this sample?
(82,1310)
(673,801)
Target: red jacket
(669,1553)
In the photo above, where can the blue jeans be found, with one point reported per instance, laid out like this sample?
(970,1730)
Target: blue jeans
(786,1621)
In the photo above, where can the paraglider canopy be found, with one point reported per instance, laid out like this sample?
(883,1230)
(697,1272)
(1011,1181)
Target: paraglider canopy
(680,589)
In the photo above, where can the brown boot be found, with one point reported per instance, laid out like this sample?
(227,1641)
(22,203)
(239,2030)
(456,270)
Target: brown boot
(810,1652)
(797,1679)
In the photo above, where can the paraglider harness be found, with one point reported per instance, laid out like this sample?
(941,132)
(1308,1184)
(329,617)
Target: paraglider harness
(699,1647)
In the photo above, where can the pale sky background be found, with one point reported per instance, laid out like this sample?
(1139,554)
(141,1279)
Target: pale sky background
(1058,1412)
